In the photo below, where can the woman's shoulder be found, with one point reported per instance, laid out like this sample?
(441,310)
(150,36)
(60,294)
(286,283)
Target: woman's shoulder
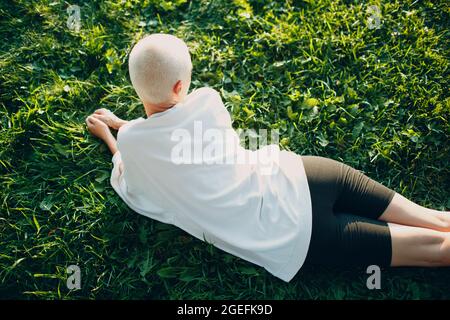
(128,127)
(203,91)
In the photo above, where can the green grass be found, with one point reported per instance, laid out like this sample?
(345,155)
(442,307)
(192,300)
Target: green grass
(377,99)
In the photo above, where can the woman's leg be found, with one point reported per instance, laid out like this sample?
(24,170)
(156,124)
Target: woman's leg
(360,195)
(340,238)
(349,240)
(345,238)
(405,212)
(421,247)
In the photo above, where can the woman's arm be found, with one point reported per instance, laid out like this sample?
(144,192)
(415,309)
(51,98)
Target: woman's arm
(111,142)
(99,129)
(109,118)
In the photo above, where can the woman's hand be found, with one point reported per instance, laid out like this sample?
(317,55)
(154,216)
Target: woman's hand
(98,128)
(109,118)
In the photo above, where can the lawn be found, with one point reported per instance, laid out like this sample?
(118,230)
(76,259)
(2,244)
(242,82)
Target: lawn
(336,80)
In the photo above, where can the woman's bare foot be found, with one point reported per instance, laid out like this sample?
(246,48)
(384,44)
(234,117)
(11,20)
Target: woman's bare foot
(109,118)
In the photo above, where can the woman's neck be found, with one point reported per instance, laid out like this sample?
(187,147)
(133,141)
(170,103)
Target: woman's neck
(151,108)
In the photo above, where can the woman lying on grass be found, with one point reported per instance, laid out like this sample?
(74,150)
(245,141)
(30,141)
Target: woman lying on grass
(279,212)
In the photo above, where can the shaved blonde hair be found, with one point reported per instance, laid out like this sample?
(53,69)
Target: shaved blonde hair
(157,62)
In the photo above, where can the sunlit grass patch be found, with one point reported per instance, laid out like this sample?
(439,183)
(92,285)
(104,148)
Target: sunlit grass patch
(376,99)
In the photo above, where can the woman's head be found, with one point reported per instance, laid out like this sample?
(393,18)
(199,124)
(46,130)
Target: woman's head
(160,69)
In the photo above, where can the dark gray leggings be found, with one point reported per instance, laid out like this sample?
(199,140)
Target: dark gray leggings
(346,204)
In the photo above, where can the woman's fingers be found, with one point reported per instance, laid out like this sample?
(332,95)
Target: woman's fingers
(89,124)
(101,111)
(90,120)
(105,118)
(95,120)
(98,116)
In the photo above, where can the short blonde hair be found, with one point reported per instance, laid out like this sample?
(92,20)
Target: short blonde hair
(156,63)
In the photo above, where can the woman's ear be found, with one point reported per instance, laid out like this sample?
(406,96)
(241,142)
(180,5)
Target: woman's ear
(177,87)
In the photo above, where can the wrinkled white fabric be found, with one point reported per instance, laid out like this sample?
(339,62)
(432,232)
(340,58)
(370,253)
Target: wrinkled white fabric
(238,207)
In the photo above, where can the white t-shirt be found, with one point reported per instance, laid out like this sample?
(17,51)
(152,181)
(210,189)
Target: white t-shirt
(259,210)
